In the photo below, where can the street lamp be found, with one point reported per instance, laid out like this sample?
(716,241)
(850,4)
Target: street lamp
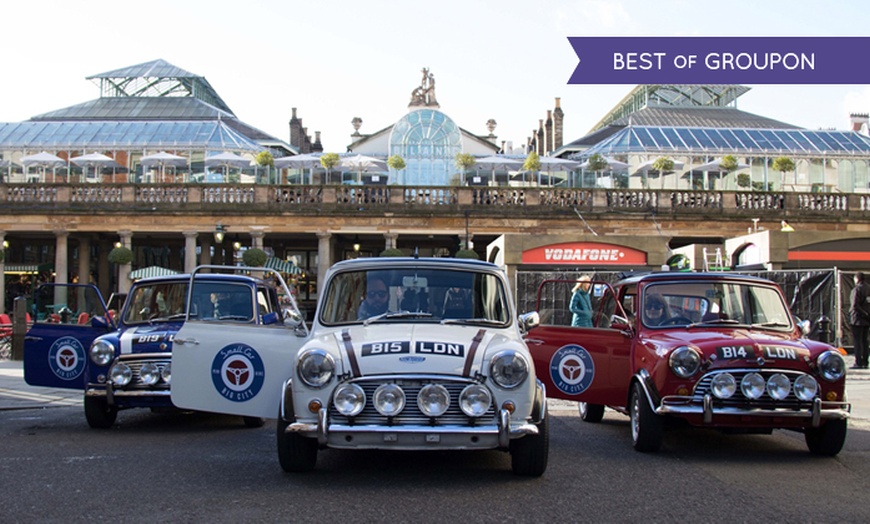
(219,232)
(356,244)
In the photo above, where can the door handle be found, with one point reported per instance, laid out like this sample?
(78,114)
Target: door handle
(193,341)
(30,337)
(535,341)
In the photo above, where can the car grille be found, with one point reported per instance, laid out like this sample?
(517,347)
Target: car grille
(411,414)
(739,401)
(136,365)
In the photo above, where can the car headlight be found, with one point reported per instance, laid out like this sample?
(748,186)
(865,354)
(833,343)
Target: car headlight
(102,352)
(475,400)
(149,373)
(685,361)
(315,368)
(724,385)
(120,374)
(752,385)
(166,373)
(778,386)
(433,400)
(805,388)
(349,399)
(832,367)
(389,400)
(508,369)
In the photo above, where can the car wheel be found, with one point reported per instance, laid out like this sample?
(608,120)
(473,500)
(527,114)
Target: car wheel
(590,412)
(253,422)
(827,439)
(99,413)
(529,454)
(646,426)
(295,452)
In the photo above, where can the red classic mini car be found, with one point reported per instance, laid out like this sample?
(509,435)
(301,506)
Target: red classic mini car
(716,350)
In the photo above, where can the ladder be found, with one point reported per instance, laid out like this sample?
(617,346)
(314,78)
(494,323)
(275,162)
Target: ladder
(713,261)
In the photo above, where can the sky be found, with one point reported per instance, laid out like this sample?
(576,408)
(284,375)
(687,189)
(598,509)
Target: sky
(334,60)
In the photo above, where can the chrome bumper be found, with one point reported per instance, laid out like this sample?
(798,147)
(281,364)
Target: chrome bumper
(413,436)
(677,405)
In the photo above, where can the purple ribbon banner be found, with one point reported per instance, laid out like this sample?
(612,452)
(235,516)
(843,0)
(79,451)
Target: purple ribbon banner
(721,60)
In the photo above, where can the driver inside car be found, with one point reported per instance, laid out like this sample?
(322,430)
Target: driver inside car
(654,310)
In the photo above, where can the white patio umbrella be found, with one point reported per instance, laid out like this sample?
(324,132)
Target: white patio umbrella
(553,164)
(95,160)
(227,160)
(645,167)
(44,160)
(163,159)
(496,162)
(305,161)
(612,165)
(716,165)
(362,163)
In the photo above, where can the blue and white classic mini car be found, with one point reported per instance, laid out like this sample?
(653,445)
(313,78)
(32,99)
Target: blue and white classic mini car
(123,361)
(404,354)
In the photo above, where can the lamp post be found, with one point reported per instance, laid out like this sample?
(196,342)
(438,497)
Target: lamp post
(219,233)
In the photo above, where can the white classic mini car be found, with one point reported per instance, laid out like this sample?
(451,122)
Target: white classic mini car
(404,354)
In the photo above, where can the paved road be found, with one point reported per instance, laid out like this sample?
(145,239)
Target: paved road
(192,468)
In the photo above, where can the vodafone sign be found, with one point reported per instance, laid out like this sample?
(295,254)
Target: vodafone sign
(575,253)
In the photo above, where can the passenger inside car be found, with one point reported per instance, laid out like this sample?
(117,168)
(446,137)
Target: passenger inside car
(654,310)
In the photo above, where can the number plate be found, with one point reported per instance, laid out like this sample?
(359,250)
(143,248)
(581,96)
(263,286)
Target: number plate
(735,352)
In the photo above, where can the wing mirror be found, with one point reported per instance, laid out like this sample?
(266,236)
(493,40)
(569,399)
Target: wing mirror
(529,320)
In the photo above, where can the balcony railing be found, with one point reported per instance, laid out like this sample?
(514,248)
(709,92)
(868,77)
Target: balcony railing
(203,198)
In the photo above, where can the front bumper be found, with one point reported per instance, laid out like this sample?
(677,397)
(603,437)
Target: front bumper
(710,414)
(413,437)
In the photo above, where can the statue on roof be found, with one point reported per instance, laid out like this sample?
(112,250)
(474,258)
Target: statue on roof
(424,94)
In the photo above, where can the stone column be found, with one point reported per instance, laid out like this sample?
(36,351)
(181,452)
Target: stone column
(189,250)
(124,282)
(85,260)
(61,266)
(103,269)
(2,273)
(257,239)
(390,240)
(205,252)
(324,257)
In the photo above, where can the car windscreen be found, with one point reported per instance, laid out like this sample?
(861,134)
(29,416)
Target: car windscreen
(415,294)
(714,302)
(156,301)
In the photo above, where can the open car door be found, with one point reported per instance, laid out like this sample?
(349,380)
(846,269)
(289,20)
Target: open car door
(584,364)
(68,317)
(227,364)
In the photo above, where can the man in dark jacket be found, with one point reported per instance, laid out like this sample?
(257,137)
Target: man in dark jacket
(859,318)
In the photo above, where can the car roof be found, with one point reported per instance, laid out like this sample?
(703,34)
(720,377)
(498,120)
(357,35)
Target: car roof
(386,262)
(185,277)
(669,276)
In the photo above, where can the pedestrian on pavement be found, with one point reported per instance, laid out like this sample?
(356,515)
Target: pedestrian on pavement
(859,318)
(581,303)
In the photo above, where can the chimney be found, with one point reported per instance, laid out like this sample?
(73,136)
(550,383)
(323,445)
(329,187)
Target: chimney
(548,133)
(540,137)
(558,118)
(859,121)
(295,131)
(316,147)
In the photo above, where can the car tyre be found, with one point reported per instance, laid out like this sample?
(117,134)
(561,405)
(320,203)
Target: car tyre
(827,439)
(99,414)
(296,453)
(590,412)
(529,454)
(254,422)
(646,426)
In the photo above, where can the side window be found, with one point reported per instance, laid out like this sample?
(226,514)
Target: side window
(222,301)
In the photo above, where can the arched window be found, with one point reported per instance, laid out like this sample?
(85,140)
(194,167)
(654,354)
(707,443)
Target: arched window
(428,141)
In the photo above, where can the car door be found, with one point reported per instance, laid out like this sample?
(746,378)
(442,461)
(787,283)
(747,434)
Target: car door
(236,369)
(68,317)
(586,364)
(232,363)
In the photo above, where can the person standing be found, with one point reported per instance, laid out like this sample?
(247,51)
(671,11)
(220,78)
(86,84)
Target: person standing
(859,318)
(581,303)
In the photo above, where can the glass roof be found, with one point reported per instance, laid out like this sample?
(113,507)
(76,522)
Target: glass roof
(699,140)
(124,135)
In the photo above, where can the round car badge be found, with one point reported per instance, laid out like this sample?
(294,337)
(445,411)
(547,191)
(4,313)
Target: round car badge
(66,358)
(238,372)
(572,369)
